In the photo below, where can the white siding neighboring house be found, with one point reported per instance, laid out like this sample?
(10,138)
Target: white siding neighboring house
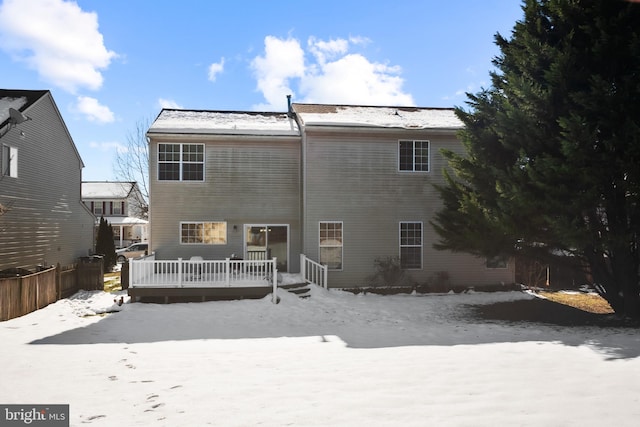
(119,203)
(42,220)
(344,185)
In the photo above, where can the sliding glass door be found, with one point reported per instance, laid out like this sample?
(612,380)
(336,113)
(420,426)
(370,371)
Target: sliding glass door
(265,241)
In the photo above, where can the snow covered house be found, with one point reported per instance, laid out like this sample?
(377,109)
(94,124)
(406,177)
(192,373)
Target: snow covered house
(42,218)
(343,185)
(122,204)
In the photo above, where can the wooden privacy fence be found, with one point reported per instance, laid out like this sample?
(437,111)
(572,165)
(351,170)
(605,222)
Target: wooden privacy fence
(23,294)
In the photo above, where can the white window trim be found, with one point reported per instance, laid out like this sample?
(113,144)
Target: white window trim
(320,246)
(10,165)
(98,203)
(226,236)
(413,170)
(181,162)
(116,204)
(421,246)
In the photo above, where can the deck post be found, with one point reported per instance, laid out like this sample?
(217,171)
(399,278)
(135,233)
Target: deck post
(274,278)
(303,266)
(228,271)
(180,272)
(325,279)
(131,261)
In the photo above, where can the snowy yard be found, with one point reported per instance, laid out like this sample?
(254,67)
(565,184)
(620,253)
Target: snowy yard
(332,360)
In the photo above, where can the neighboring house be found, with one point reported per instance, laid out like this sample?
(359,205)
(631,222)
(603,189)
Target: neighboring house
(344,185)
(43,220)
(120,204)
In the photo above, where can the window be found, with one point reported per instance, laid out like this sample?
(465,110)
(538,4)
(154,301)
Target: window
(9,161)
(181,162)
(203,233)
(331,245)
(411,245)
(117,208)
(497,262)
(97,208)
(413,156)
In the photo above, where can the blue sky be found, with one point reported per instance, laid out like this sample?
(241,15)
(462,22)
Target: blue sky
(111,65)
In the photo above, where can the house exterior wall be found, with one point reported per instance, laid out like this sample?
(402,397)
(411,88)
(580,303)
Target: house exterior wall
(247,180)
(46,222)
(352,176)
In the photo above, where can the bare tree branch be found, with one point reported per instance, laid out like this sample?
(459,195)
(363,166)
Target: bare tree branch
(131,164)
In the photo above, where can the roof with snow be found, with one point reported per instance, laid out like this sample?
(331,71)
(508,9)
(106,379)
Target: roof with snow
(17,99)
(224,122)
(372,116)
(106,189)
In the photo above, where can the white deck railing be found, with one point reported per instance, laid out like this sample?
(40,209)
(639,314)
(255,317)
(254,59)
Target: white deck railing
(196,272)
(313,272)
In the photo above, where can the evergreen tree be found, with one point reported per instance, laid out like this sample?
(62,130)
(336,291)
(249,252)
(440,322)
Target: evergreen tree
(105,245)
(552,162)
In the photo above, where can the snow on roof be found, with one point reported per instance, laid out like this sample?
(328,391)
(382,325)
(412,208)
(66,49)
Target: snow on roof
(226,122)
(125,220)
(10,102)
(370,116)
(106,189)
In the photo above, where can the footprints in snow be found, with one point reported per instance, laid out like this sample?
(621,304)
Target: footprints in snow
(151,402)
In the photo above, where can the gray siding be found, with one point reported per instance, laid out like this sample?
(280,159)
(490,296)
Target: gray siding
(248,180)
(47,222)
(353,177)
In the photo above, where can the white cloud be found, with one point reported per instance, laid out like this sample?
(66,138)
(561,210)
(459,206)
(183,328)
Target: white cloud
(93,110)
(57,39)
(283,60)
(322,49)
(333,74)
(169,103)
(215,69)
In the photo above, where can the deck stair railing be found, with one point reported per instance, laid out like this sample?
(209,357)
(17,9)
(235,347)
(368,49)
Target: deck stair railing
(313,272)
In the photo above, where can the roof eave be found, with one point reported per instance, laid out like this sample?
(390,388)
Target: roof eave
(226,132)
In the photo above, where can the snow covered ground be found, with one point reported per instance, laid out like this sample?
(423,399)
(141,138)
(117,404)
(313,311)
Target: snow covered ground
(335,359)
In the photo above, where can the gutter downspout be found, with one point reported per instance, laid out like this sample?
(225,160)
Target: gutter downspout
(303,173)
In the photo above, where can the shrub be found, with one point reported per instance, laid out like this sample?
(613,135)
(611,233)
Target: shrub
(105,245)
(390,273)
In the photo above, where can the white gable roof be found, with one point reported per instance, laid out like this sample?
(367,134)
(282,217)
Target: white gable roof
(371,116)
(106,189)
(224,122)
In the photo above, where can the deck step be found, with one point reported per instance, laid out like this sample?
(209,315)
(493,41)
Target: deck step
(300,289)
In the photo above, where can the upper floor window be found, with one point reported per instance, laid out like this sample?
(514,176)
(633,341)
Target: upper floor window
(117,208)
(413,156)
(9,161)
(181,162)
(97,208)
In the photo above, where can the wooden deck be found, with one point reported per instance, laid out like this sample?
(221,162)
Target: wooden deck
(165,281)
(194,294)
